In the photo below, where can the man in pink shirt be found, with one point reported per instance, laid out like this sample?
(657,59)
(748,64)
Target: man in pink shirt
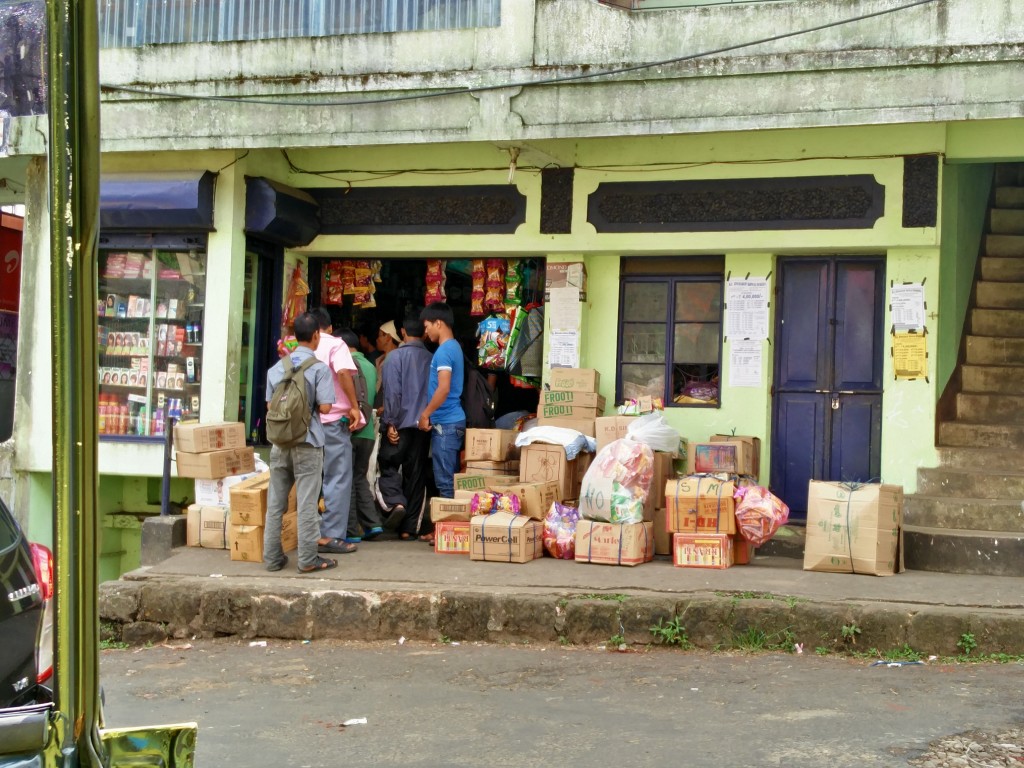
(339,423)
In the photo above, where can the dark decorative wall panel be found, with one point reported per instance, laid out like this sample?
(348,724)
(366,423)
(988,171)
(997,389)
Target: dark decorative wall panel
(805,202)
(920,191)
(556,201)
(469,210)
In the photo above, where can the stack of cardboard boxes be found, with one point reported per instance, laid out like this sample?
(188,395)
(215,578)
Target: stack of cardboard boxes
(571,401)
(248,518)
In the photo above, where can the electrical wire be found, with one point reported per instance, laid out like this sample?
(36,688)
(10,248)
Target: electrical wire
(521,83)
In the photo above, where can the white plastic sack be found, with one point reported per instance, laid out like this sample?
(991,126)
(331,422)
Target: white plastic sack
(617,482)
(652,430)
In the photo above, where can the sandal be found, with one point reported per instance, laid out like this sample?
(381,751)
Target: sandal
(321,564)
(427,538)
(404,536)
(336,547)
(373,533)
(278,565)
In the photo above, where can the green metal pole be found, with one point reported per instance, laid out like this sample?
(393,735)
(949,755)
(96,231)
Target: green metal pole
(74,117)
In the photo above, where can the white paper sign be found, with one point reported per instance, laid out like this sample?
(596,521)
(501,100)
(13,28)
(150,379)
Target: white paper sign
(564,311)
(744,363)
(563,349)
(746,314)
(908,307)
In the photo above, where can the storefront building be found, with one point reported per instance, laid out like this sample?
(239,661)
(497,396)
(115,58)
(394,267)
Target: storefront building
(833,173)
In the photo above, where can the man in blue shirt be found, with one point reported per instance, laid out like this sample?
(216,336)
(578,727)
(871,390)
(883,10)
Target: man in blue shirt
(402,456)
(301,465)
(443,415)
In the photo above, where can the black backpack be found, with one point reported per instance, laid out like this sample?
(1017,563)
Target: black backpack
(477,397)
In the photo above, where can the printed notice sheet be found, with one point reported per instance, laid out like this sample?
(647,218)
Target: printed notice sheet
(910,355)
(564,311)
(563,349)
(908,307)
(746,314)
(744,363)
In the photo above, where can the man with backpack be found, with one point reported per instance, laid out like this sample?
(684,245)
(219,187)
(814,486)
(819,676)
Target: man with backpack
(402,456)
(299,390)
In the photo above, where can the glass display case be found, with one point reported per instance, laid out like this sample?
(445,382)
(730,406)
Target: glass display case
(151,309)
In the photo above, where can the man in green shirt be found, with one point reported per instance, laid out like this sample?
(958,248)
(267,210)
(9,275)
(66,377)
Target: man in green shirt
(365,522)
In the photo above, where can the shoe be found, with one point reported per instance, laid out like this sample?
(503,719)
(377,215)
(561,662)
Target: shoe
(321,564)
(353,539)
(393,519)
(277,566)
(373,533)
(336,547)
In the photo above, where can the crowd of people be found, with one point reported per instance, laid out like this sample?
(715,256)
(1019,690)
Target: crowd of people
(415,423)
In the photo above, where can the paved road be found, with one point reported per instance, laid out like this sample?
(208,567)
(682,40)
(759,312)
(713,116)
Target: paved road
(478,705)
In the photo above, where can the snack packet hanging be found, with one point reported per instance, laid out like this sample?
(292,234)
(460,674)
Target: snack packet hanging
(489,502)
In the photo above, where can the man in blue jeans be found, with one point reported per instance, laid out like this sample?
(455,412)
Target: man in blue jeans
(443,416)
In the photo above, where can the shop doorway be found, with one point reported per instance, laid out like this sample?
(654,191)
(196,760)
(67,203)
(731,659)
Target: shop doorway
(261,320)
(827,420)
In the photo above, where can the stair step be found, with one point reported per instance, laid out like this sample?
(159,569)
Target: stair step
(997,322)
(1006,221)
(971,435)
(987,459)
(1009,269)
(995,350)
(999,295)
(1010,197)
(962,485)
(983,553)
(990,409)
(1008,379)
(1008,174)
(1004,245)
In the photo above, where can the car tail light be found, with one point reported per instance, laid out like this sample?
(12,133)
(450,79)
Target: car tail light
(42,560)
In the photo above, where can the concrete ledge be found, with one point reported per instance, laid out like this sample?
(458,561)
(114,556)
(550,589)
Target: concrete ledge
(160,535)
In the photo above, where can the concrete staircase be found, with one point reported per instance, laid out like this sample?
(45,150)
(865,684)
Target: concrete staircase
(968,514)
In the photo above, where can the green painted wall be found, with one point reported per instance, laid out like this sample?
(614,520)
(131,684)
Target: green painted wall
(965,195)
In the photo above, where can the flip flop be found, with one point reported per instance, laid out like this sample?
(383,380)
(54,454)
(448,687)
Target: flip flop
(373,533)
(407,536)
(321,564)
(336,547)
(277,566)
(427,538)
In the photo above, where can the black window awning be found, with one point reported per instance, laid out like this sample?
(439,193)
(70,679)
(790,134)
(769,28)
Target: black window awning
(180,201)
(279,213)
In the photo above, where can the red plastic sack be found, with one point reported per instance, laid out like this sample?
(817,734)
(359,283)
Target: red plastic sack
(759,513)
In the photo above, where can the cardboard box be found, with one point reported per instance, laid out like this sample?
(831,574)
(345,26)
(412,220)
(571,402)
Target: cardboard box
(217,493)
(664,470)
(491,444)
(471,481)
(487,468)
(249,498)
(451,538)
(755,447)
(505,538)
(193,437)
(742,550)
(574,399)
(246,541)
(443,510)
(854,528)
(216,464)
(700,504)
(569,274)
(662,536)
(575,379)
(535,499)
(610,428)
(543,463)
(586,426)
(735,457)
(702,550)
(207,527)
(566,411)
(614,543)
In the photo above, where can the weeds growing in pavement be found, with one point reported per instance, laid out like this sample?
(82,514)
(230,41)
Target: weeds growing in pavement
(967,643)
(757,639)
(850,632)
(671,633)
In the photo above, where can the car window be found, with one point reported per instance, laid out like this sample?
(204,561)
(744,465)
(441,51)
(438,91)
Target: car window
(9,533)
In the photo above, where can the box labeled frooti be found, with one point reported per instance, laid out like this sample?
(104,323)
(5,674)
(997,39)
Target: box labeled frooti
(575,379)
(614,543)
(573,399)
(216,464)
(584,426)
(568,411)
(702,550)
(491,444)
(442,510)
(543,463)
(451,537)
(735,457)
(505,538)
(854,528)
(700,504)
(207,527)
(193,437)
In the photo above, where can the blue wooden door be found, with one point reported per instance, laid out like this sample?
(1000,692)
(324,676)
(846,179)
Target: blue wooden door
(827,420)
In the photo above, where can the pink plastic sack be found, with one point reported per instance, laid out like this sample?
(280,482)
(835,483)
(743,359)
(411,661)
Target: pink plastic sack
(759,513)
(560,531)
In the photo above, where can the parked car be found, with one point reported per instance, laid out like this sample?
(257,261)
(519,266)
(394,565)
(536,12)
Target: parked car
(26,616)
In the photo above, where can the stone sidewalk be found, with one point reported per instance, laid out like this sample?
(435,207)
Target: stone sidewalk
(392,589)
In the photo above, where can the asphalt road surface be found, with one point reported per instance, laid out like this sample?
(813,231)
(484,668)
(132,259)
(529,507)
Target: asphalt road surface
(285,704)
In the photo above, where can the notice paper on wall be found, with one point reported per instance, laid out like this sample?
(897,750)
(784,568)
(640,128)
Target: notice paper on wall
(564,310)
(745,363)
(746,308)
(563,349)
(910,356)
(908,307)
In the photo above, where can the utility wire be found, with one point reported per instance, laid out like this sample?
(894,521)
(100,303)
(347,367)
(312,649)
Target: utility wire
(521,83)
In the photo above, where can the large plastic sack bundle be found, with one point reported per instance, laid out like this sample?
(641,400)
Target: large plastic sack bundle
(617,482)
(560,531)
(759,513)
(652,430)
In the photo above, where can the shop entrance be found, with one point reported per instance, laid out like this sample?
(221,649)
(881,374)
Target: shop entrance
(827,421)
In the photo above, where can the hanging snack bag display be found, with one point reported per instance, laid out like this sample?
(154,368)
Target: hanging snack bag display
(435,281)
(478,273)
(492,347)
